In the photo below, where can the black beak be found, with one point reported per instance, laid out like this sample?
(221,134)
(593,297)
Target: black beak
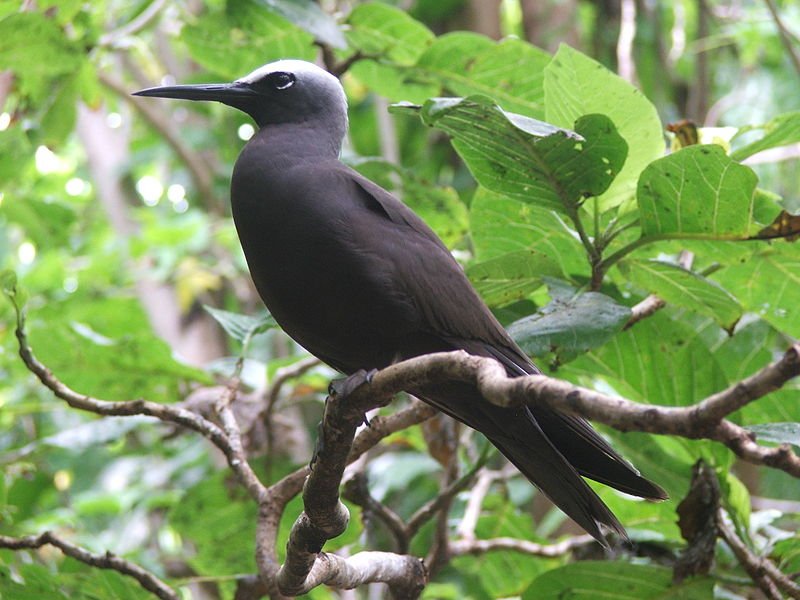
(233,94)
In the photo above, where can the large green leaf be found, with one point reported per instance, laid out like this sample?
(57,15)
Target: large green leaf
(512,276)
(528,159)
(571,324)
(769,285)
(382,30)
(780,131)
(243,37)
(778,433)
(463,64)
(510,71)
(682,287)
(699,192)
(105,348)
(576,85)
(500,225)
(615,581)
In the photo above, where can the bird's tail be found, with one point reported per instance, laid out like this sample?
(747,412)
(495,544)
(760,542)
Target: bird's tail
(552,450)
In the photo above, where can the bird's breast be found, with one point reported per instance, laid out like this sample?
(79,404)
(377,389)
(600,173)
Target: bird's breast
(319,282)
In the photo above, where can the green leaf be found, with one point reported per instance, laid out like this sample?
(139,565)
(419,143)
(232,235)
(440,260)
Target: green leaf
(510,71)
(527,159)
(241,327)
(388,32)
(778,433)
(615,581)
(571,324)
(682,287)
(308,16)
(30,582)
(512,276)
(780,131)
(576,85)
(105,348)
(697,192)
(768,284)
(224,537)
(46,223)
(38,52)
(245,36)
(501,226)
(736,499)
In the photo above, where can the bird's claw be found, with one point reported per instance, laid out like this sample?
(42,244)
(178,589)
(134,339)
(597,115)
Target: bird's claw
(347,385)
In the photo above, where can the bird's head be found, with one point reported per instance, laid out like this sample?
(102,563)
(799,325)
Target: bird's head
(286,91)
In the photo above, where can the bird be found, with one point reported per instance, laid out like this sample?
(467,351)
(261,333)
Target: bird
(360,281)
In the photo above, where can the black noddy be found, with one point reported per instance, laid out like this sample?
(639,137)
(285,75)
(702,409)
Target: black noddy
(360,281)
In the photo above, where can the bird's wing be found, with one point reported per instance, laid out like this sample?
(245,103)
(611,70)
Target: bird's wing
(464,322)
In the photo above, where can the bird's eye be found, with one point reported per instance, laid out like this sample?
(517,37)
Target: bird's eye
(280,80)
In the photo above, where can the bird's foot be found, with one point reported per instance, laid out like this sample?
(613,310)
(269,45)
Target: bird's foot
(347,385)
(340,389)
(319,446)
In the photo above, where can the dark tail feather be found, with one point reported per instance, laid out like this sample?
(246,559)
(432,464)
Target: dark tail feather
(525,444)
(591,455)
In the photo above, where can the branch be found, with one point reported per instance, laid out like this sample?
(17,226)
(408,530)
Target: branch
(102,561)
(646,308)
(762,571)
(325,517)
(785,35)
(476,547)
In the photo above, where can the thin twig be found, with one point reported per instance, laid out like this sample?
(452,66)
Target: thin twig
(102,561)
(475,547)
(133,26)
(785,34)
(762,570)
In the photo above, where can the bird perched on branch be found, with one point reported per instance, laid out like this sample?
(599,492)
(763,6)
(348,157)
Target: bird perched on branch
(360,281)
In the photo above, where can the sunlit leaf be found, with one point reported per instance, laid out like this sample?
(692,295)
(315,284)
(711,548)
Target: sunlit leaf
(571,84)
(698,192)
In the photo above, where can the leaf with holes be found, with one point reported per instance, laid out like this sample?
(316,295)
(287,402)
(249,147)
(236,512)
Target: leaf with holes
(526,159)
(700,192)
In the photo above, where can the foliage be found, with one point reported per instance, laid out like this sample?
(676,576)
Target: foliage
(563,207)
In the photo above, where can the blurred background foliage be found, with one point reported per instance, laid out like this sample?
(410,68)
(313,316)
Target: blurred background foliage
(114,216)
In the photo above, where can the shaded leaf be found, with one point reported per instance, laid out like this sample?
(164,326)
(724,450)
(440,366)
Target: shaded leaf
(512,276)
(780,131)
(614,581)
(241,327)
(682,287)
(697,192)
(571,85)
(243,37)
(308,16)
(768,284)
(571,324)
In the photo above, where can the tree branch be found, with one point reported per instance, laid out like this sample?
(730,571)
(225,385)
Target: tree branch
(325,517)
(476,547)
(102,561)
